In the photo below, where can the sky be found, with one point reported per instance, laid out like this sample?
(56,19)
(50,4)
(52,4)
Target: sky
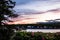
(33,11)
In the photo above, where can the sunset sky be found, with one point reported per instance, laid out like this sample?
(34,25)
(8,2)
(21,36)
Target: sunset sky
(33,11)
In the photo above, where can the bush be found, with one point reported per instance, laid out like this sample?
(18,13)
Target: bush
(36,36)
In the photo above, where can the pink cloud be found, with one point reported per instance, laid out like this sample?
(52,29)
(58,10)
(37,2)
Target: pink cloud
(37,17)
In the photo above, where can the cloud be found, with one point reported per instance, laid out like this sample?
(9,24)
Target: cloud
(32,11)
(50,15)
(54,10)
(39,5)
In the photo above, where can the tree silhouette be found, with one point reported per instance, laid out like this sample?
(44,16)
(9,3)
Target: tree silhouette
(6,12)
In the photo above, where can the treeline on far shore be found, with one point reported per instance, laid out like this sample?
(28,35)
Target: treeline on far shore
(33,26)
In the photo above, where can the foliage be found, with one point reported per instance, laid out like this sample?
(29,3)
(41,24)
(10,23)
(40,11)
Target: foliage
(6,12)
(37,36)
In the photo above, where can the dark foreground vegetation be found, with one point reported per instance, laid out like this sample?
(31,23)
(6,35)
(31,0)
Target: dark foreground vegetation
(36,36)
(9,34)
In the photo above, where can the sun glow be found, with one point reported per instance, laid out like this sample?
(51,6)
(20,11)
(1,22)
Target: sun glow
(38,18)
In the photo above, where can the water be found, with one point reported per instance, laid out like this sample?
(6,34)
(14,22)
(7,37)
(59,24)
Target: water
(43,30)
